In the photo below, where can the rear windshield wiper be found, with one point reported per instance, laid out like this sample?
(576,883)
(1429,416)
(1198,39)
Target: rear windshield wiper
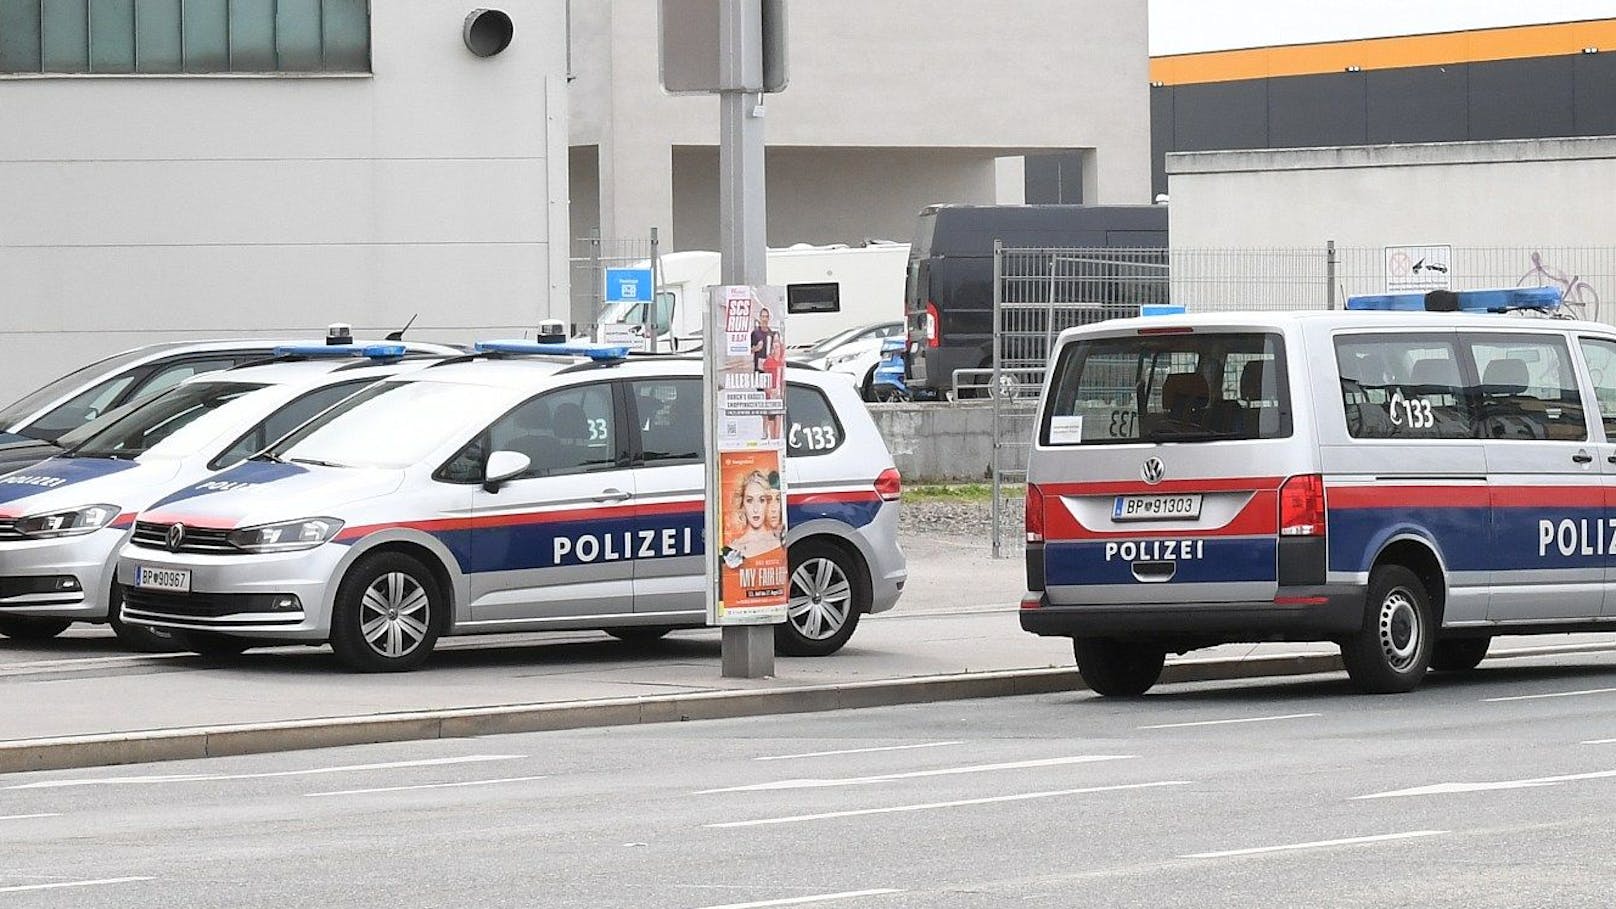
(1188,435)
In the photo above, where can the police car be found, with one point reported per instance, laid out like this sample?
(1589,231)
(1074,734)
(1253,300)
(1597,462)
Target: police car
(528,488)
(1407,483)
(62,521)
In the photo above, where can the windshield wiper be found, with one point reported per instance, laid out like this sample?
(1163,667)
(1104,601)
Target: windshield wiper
(316,462)
(1188,435)
(266,456)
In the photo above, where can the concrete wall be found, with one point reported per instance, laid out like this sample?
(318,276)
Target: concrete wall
(933,443)
(913,76)
(146,208)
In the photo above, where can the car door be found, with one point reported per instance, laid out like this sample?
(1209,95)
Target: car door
(1545,490)
(555,542)
(1599,360)
(669,481)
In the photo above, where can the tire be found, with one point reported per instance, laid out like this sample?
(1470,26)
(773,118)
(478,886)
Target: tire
(1118,669)
(387,615)
(828,596)
(139,638)
(1392,652)
(1459,654)
(26,628)
(867,388)
(639,634)
(210,644)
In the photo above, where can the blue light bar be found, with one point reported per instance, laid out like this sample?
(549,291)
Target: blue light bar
(1161,309)
(342,351)
(592,351)
(1501,300)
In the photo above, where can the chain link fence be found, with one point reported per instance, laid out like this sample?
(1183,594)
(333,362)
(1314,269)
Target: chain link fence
(589,258)
(1039,292)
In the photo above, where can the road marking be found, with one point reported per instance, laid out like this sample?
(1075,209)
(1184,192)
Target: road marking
(800,900)
(24,817)
(810,754)
(1321,844)
(97,883)
(1454,788)
(1557,694)
(509,779)
(1601,742)
(927,806)
(945,771)
(1255,719)
(209,777)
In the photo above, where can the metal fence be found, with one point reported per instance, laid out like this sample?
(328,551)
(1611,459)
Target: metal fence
(1039,292)
(589,258)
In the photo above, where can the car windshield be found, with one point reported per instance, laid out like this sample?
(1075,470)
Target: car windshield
(133,430)
(392,425)
(32,402)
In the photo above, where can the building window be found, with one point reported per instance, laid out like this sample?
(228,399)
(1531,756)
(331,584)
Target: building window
(184,36)
(807,298)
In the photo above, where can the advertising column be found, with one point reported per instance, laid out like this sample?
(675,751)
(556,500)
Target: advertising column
(746,502)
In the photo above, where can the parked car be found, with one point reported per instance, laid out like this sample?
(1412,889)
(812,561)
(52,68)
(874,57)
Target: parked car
(63,520)
(855,352)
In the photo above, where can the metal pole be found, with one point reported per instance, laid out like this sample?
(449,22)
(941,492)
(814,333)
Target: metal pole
(597,291)
(650,308)
(1329,274)
(996,391)
(747,650)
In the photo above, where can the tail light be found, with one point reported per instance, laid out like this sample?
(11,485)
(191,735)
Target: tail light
(889,485)
(1301,506)
(1035,514)
(934,327)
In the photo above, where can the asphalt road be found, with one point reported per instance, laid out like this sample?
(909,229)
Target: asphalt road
(1493,789)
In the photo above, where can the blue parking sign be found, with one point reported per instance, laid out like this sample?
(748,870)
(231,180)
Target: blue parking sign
(630,285)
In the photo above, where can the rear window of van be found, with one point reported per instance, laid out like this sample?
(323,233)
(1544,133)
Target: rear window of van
(1191,387)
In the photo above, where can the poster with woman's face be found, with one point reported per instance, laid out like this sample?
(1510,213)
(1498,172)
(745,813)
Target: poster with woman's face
(752,564)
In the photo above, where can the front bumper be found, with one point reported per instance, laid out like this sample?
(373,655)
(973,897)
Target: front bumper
(1323,613)
(237,594)
(34,576)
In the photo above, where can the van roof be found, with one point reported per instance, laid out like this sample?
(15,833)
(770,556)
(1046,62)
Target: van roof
(969,230)
(1279,320)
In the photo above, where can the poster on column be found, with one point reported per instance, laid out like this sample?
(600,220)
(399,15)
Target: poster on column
(752,570)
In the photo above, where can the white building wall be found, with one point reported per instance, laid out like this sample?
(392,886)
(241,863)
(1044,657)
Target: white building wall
(148,208)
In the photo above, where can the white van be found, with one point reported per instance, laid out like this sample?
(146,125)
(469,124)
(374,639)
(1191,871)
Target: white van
(1407,484)
(828,289)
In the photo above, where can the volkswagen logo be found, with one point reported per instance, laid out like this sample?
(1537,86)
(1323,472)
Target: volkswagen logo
(176,537)
(1152,472)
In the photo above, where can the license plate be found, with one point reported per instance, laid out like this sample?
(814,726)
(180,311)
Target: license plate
(174,579)
(1157,508)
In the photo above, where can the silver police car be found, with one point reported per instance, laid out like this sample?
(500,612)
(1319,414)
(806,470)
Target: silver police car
(508,492)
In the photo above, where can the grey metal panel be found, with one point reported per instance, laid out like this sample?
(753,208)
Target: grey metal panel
(1042,176)
(1593,103)
(1161,135)
(1519,99)
(1417,104)
(1325,109)
(1221,115)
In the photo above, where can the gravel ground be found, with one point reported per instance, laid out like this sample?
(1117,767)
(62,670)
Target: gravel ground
(960,517)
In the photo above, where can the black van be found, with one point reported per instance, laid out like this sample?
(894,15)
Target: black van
(948,297)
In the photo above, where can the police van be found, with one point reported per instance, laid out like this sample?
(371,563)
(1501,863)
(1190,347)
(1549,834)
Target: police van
(529,487)
(1405,483)
(63,520)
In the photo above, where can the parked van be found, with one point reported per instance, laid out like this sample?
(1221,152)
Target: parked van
(1408,484)
(828,289)
(949,290)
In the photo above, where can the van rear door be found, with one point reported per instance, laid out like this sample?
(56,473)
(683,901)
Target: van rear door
(1158,468)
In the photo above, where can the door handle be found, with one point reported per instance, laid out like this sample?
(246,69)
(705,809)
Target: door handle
(1582,457)
(1611,458)
(611,494)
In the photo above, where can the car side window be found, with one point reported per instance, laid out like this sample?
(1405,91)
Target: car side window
(572,430)
(1528,389)
(668,415)
(82,407)
(1403,387)
(1600,355)
(289,417)
(811,425)
(166,377)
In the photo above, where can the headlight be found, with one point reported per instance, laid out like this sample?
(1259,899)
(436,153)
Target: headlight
(69,523)
(287,536)
(839,359)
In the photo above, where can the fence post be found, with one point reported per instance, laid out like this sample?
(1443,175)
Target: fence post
(1329,274)
(650,308)
(597,287)
(994,390)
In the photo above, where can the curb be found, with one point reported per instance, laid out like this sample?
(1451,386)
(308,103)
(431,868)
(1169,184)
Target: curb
(68,752)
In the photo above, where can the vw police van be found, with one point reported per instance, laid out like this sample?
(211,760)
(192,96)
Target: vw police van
(531,487)
(1406,483)
(63,520)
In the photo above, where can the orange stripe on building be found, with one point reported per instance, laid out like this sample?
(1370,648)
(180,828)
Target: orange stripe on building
(1513,43)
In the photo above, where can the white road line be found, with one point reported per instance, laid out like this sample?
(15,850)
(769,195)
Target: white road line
(945,771)
(509,779)
(1557,694)
(811,754)
(24,817)
(800,900)
(1321,844)
(1455,788)
(1021,797)
(97,883)
(1601,742)
(208,777)
(1254,719)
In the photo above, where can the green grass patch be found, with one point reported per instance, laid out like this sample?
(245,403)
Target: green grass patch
(955,492)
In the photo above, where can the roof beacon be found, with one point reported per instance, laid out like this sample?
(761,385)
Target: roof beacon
(552,331)
(339,333)
(340,351)
(1508,299)
(592,351)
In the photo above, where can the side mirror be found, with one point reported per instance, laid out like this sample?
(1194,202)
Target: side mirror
(503,466)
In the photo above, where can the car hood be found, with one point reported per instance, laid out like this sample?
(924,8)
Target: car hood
(61,483)
(264,492)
